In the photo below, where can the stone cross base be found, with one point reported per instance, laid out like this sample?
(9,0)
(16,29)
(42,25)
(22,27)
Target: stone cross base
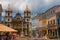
(23,38)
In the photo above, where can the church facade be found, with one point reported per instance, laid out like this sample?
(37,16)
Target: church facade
(18,22)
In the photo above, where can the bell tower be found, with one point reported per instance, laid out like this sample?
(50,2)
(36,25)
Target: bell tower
(0,12)
(27,19)
(9,16)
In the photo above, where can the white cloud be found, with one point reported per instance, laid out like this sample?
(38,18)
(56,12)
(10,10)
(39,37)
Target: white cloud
(20,4)
(4,4)
(34,5)
(15,4)
(47,2)
(3,13)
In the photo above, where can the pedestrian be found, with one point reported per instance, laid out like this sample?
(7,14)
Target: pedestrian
(10,36)
(0,37)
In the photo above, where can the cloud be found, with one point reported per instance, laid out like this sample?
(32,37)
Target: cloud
(36,6)
(3,13)
(4,4)
(48,1)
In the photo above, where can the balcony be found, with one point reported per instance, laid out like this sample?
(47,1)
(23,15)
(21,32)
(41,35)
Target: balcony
(52,24)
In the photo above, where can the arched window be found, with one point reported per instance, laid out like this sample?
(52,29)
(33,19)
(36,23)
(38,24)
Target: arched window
(8,25)
(8,19)
(48,22)
(53,21)
(58,21)
(8,14)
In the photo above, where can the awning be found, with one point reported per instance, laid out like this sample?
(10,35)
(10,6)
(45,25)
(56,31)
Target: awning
(4,28)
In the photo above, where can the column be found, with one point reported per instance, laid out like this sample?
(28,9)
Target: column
(52,32)
(47,33)
(25,32)
(57,33)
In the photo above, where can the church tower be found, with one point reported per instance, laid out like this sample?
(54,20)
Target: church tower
(27,18)
(0,12)
(8,16)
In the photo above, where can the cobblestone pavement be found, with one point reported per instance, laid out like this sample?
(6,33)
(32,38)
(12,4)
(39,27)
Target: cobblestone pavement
(41,39)
(36,39)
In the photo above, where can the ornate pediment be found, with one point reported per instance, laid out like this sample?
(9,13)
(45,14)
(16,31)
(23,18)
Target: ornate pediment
(18,17)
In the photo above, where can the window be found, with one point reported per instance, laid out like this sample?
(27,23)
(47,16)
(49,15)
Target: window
(27,14)
(53,21)
(8,25)
(8,14)
(53,11)
(27,19)
(58,21)
(17,18)
(53,34)
(8,19)
(48,22)
(28,25)
(50,32)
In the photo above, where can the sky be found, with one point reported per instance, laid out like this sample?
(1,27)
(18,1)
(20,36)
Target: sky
(36,6)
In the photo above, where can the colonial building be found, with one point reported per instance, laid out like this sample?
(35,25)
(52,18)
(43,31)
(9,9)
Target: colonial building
(0,12)
(50,22)
(18,22)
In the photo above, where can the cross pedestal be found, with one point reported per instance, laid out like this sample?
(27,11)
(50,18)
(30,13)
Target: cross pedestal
(22,37)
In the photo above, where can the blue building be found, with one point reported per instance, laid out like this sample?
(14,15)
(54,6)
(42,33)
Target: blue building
(0,12)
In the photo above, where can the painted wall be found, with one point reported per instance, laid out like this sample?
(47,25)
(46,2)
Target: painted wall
(58,18)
